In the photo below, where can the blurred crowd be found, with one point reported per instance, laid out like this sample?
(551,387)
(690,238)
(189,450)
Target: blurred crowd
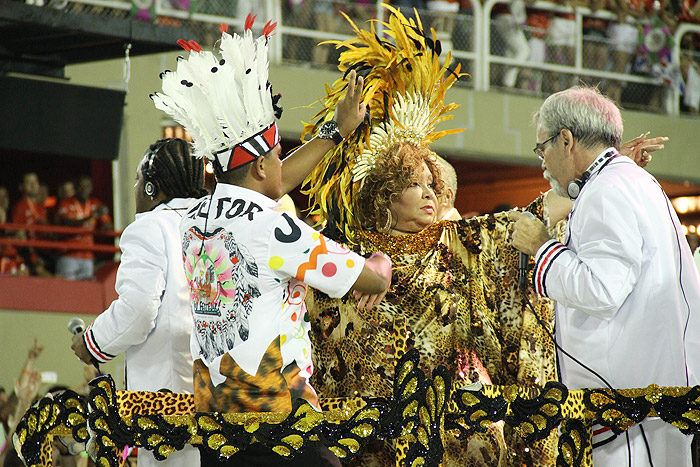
(631,37)
(73,206)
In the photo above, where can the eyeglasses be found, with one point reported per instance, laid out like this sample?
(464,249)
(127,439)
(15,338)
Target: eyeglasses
(539,147)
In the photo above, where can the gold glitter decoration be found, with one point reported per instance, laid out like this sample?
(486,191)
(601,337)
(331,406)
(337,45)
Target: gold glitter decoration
(407,428)
(420,243)
(73,403)
(423,437)
(251,425)
(107,441)
(600,399)
(31,422)
(22,436)
(145,423)
(680,424)
(102,424)
(339,453)
(510,393)
(44,414)
(228,451)
(295,441)
(154,439)
(363,430)
(693,415)
(372,413)
(410,409)
(549,409)
(653,393)
(208,423)
(469,399)
(75,419)
(282,450)
(568,454)
(100,403)
(350,443)
(525,429)
(166,450)
(539,421)
(216,440)
(404,370)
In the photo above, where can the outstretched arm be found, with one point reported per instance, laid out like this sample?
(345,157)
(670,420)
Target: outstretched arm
(349,114)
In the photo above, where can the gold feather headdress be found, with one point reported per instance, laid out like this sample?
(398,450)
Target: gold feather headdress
(404,91)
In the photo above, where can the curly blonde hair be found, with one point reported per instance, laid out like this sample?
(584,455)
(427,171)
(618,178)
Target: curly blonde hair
(392,174)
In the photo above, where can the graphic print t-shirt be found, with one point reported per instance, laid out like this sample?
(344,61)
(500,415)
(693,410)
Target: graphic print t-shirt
(248,268)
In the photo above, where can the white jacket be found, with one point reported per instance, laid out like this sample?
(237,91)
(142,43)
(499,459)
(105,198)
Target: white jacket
(150,322)
(627,293)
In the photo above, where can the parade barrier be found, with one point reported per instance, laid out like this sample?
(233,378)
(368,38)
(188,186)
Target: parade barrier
(417,415)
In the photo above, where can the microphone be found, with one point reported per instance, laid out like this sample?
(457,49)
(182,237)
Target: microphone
(75,327)
(524,262)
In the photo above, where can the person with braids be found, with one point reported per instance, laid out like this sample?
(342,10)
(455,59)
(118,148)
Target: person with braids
(150,321)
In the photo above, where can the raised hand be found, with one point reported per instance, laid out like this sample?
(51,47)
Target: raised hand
(350,110)
(640,148)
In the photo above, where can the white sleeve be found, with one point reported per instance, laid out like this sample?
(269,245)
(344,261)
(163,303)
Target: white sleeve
(140,285)
(297,250)
(599,276)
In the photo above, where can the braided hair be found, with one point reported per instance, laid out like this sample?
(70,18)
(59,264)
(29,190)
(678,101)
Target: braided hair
(176,172)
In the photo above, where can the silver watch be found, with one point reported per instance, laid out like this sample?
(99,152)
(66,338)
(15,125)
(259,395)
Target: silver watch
(329,130)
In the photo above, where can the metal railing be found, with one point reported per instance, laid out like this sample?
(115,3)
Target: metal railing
(472,37)
(50,242)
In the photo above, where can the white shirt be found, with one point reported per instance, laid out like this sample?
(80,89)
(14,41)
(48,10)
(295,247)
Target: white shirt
(248,268)
(150,322)
(627,291)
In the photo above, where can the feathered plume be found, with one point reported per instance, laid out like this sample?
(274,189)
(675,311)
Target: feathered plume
(404,90)
(223,99)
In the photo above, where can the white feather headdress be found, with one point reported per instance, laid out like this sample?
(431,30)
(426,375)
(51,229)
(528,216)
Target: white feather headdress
(224,99)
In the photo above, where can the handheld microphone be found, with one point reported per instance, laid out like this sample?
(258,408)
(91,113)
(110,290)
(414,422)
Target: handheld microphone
(524,262)
(76,326)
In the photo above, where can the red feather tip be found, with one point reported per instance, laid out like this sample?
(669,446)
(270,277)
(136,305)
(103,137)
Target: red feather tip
(223,27)
(196,47)
(269,27)
(183,43)
(250,19)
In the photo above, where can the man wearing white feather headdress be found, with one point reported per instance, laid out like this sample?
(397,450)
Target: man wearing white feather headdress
(247,264)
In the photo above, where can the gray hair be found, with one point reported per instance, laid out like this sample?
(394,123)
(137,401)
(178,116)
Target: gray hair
(449,176)
(591,117)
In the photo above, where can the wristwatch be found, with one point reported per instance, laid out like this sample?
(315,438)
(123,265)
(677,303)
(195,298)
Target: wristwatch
(329,130)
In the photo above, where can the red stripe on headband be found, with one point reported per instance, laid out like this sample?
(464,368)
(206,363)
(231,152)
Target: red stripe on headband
(271,136)
(240,156)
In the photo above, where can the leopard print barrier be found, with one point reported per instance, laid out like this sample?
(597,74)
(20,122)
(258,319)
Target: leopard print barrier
(418,415)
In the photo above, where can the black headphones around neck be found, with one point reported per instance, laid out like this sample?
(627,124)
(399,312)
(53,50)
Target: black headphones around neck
(573,189)
(150,186)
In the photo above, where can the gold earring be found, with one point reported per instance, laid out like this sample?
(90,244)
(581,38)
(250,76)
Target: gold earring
(387,225)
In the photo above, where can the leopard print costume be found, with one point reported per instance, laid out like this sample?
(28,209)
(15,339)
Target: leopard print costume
(456,285)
